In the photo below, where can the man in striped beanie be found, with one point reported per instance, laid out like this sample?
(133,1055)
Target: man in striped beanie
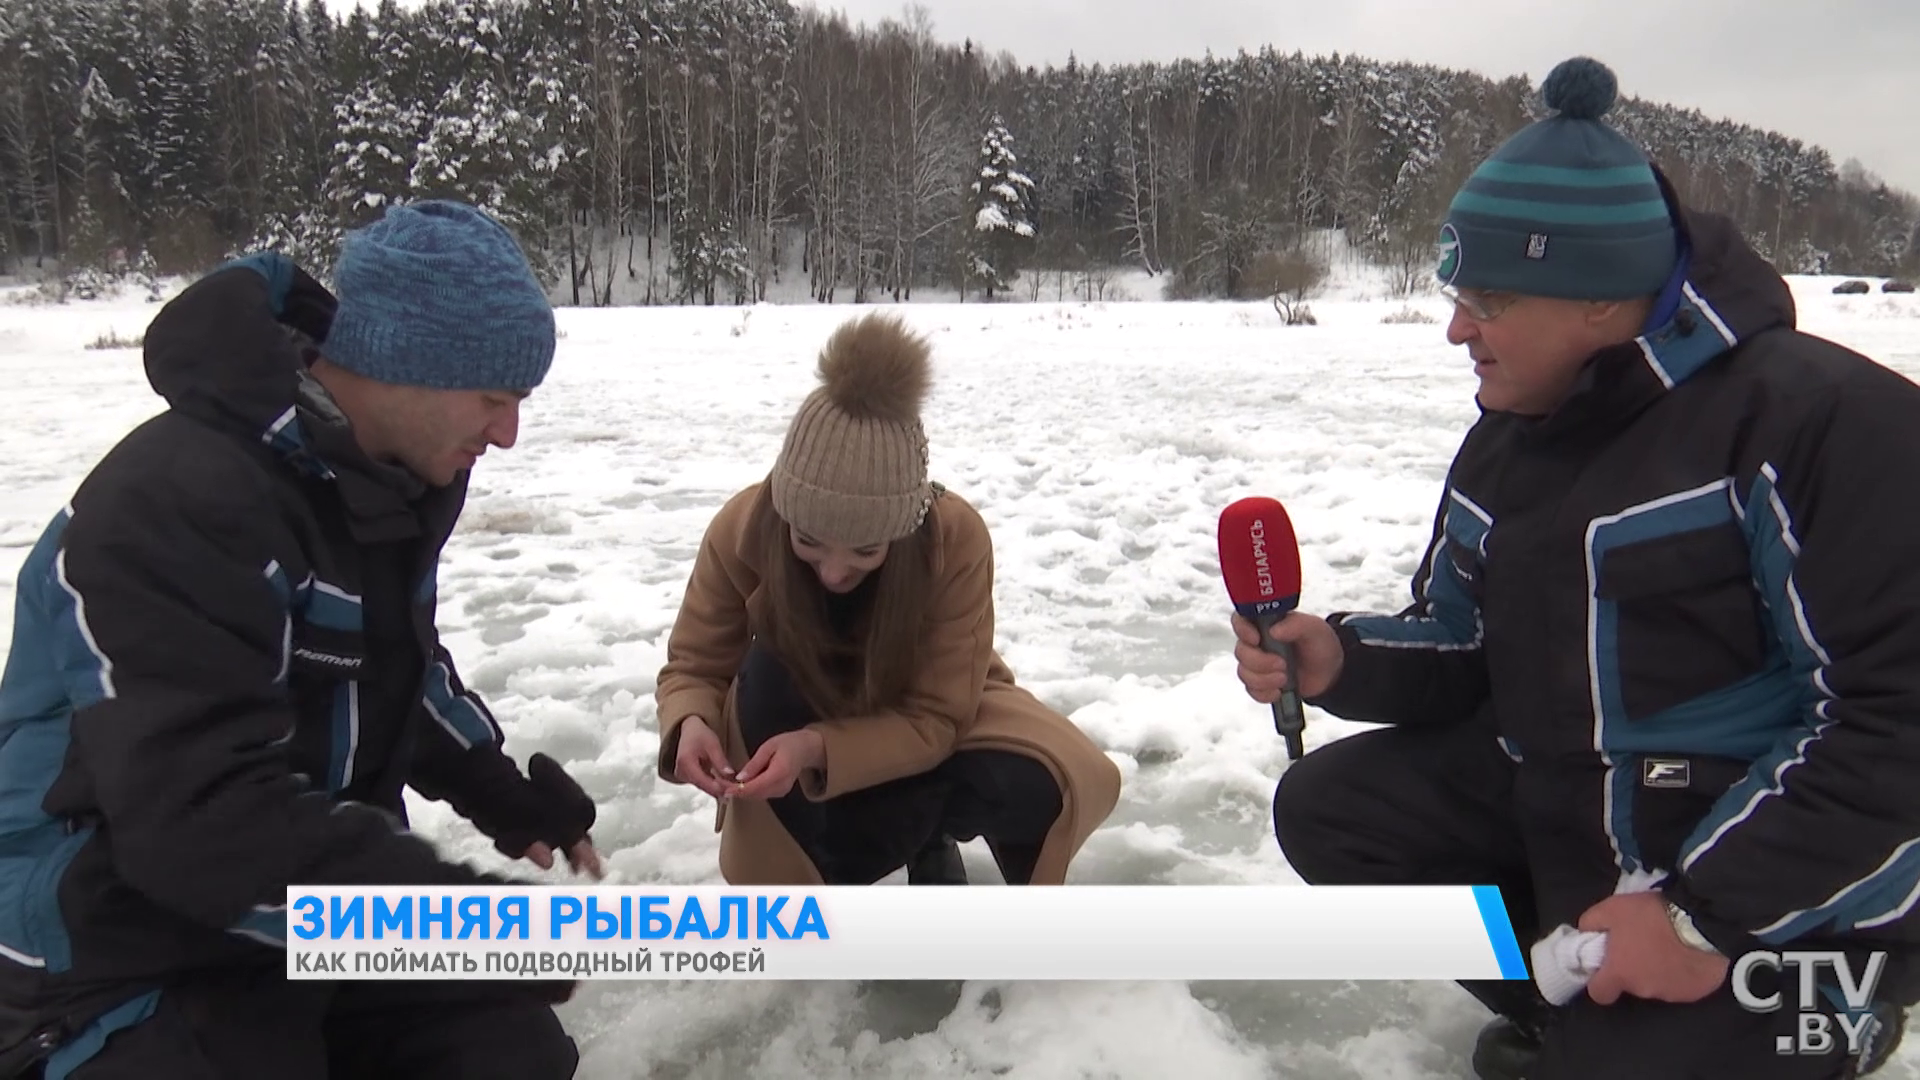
(1660,668)
(1567,210)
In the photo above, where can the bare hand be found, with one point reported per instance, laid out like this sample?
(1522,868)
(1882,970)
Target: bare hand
(1315,646)
(700,760)
(1645,958)
(772,772)
(581,858)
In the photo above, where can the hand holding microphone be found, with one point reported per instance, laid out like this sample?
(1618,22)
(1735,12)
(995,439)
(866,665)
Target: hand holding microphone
(1282,653)
(1266,671)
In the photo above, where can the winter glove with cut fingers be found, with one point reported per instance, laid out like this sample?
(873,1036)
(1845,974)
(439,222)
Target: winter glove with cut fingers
(548,807)
(544,808)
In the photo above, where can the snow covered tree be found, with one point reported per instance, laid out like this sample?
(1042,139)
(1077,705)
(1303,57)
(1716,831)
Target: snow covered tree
(829,150)
(707,254)
(1412,106)
(647,150)
(1140,195)
(92,261)
(560,145)
(1347,180)
(296,221)
(23,156)
(480,145)
(1236,226)
(175,103)
(41,94)
(920,160)
(1002,200)
(380,121)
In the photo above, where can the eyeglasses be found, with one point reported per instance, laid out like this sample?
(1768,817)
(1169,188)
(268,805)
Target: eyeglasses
(1479,306)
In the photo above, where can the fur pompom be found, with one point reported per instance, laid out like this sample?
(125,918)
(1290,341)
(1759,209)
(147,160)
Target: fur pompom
(875,368)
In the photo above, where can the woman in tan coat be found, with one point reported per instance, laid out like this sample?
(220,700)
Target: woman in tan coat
(831,677)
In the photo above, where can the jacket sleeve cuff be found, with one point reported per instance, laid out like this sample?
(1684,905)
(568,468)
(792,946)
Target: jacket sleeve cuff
(674,712)
(1729,939)
(860,753)
(1343,698)
(484,786)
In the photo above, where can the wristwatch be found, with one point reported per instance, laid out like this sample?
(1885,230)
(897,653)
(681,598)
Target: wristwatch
(1689,934)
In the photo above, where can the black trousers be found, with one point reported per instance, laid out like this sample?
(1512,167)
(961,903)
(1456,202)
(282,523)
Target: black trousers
(862,836)
(249,1023)
(1433,806)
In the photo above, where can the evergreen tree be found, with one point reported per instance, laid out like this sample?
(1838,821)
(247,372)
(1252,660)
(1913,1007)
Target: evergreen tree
(560,145)
(1002,218)
(296,221)
(37,119)
(93,260)
(176,105)
(381,123)
(480,146)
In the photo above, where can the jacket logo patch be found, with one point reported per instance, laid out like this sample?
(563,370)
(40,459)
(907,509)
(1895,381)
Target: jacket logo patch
(329,660)
(1666,773)
(1449,247)
(1536,245)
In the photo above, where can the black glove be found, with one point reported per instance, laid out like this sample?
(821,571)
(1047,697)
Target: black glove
(547,807)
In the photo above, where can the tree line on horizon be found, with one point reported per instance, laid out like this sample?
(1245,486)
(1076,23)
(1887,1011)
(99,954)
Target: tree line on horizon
(692,151)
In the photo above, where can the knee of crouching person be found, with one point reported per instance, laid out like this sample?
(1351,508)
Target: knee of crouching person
(1299,817)
(1105,789)
(552,1053)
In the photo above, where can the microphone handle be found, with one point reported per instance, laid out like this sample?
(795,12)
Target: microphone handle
(1288,717)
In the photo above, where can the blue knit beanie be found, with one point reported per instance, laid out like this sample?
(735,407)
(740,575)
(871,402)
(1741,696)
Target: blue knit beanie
(1567,207)
(438,294)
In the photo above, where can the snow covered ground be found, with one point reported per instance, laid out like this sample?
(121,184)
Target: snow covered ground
(1100,443)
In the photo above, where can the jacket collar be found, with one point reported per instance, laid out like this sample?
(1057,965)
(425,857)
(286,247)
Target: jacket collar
(234,350)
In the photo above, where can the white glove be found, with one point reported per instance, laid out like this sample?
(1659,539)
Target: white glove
(1565,959)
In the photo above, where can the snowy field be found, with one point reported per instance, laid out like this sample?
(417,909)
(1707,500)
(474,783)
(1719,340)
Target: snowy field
(1100,443)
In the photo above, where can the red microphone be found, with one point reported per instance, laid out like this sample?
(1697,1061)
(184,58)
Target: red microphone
(1260,558)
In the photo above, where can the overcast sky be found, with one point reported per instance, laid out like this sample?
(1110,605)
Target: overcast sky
(1843,74)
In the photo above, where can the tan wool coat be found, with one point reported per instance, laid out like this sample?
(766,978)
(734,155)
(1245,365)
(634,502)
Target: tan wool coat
(964,699)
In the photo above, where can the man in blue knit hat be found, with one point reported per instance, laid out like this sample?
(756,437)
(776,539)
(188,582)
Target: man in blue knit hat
(1658,680)
(225,672)
(441,330)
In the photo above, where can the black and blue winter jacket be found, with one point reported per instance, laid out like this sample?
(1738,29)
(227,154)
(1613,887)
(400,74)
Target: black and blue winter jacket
(224,671)
(1690,598)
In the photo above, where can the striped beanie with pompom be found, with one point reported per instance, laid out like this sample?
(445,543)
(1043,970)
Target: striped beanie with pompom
(1568,207)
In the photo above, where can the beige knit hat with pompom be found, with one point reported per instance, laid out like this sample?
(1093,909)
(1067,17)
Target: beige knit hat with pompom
(853,469)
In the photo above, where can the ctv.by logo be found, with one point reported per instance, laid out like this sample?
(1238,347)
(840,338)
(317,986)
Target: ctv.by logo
(1815,1034)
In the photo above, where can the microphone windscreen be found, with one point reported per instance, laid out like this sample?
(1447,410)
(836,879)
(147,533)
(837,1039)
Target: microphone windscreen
(1259,557)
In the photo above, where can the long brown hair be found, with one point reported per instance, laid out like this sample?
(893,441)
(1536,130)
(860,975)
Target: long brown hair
(839,676)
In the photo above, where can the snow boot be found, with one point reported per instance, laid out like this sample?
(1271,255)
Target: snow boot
(1889,1028)
(1509,1046)
(1505,1051)
(938,863)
